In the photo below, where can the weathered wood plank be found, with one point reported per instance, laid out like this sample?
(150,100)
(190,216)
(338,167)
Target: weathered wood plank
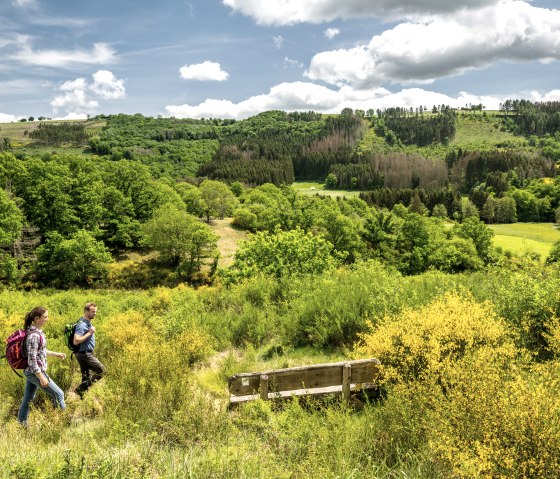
(304,377)
(302,392)
(346,376)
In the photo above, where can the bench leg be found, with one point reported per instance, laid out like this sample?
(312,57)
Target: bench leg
(263,387)
(346,378)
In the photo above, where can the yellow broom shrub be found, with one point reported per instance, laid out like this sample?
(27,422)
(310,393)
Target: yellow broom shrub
(421,342)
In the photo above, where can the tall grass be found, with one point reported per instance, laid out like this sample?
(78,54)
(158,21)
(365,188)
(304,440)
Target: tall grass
(162,409)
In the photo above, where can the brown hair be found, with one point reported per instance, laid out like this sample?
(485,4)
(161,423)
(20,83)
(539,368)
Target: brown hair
(89,305)
(35,313)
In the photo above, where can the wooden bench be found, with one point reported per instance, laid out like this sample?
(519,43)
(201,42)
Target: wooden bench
(318,379)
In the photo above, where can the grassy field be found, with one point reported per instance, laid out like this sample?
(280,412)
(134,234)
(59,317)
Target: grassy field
(229,239)
(18,132)
(314,188)
(520,238)
(474,129)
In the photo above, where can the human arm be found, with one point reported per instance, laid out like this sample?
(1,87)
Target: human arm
(80,338)
(56,354)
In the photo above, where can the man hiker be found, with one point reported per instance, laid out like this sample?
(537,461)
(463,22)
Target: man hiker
(92,369)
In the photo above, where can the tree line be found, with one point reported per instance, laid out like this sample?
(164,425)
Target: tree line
(532,118)
(56,134)
(401,124)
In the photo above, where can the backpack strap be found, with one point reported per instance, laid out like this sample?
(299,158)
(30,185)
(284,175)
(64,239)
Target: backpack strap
(16,372)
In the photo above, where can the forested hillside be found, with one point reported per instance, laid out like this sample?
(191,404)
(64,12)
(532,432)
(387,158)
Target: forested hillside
(152,186)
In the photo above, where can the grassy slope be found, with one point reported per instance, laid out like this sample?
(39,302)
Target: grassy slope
(314,188)
(229,239)
(476,131)
(524,237)
(18,133)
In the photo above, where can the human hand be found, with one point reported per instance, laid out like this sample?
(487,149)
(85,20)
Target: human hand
(91,330)
(61,355)
(44,381)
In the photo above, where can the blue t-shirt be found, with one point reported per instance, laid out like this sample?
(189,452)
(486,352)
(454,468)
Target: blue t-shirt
(82,328)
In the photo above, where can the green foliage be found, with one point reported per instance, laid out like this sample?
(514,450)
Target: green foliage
(417,129)
(473,404)
(331,181)
(217,200)
(531,118)
(55,134)
(11,220)
(181,240)
(474,229)
(80,260)
(282,253)
(554,255)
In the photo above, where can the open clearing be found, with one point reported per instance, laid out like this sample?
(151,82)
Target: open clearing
(520,238)
(315,188)
(229,239)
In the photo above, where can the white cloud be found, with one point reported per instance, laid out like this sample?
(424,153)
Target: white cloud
(107,86)
(205,71)
(553,95)
(445,46)
(72,116)
(289,12)
(75,100)
(77,94)
(100,54)
(278,41)
(24,3)
(71,85)
(290,63)
(302,96)
(6,118)
(330,33)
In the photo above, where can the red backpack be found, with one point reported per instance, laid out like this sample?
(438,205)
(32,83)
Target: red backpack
(16,351)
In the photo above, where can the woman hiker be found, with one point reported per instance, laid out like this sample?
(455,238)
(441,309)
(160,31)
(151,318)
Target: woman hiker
(36,372)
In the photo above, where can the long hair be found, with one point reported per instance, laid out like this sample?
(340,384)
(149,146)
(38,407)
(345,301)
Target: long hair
(36,312)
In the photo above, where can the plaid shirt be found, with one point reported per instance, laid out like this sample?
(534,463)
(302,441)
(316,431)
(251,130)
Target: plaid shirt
(36,350)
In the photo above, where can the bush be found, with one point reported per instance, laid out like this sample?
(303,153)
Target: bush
(424,343)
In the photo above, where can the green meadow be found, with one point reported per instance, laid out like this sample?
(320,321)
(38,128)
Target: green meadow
(520,238)
(314,188)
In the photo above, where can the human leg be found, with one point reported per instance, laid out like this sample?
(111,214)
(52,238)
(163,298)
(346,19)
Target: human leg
(56,394)
(29,391)
(95,371)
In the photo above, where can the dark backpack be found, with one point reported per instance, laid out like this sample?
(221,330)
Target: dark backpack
(16,350)
(69,332)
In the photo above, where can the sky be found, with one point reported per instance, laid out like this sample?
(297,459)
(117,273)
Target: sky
(237,58)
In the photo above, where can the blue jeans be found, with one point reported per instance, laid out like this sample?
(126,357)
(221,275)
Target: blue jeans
(32,383)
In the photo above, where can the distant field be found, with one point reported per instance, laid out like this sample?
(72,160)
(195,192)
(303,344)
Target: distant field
(18,132)
(313,188)
(524,237)
(474,129)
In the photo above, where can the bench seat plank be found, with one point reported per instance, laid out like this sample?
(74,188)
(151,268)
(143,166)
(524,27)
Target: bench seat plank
(316,377)
(302,392)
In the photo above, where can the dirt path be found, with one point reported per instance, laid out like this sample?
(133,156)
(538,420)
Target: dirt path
(229,239)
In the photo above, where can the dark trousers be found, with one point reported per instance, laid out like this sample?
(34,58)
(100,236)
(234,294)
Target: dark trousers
(92,370)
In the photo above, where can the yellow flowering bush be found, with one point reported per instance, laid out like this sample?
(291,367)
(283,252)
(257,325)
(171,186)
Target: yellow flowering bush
(553,335)
(423,342)
(497,423)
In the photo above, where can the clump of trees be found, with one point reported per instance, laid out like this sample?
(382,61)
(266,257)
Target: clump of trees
(414,127)
(532,118)
(56,134)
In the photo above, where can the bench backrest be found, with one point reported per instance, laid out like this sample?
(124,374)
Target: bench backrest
(305,377)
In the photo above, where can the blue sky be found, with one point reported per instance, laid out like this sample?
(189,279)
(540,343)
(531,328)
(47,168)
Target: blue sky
(236,58)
